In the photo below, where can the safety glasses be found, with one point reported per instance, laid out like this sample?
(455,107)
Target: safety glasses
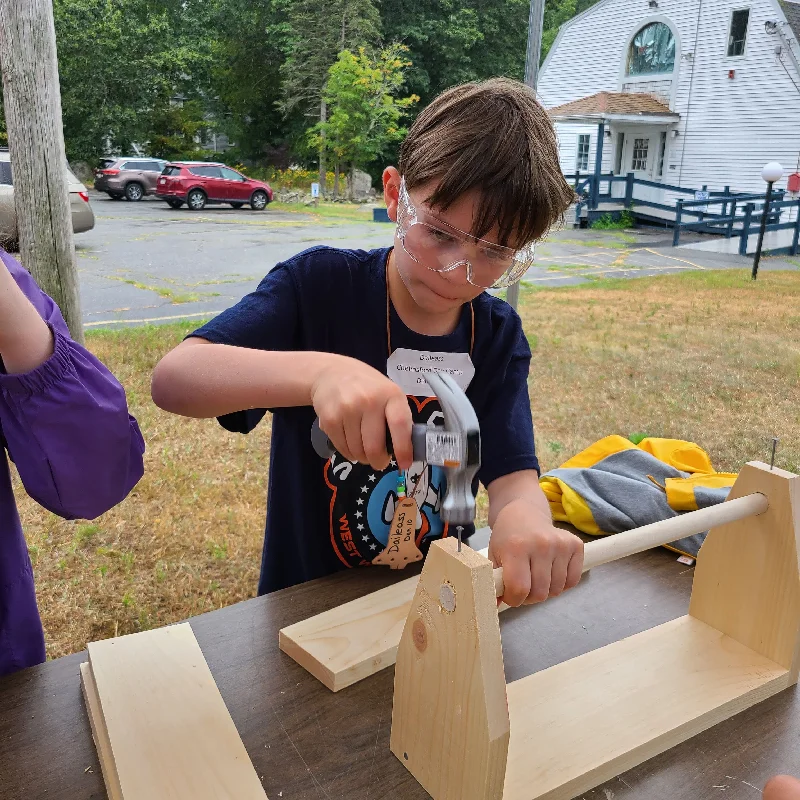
(442,248)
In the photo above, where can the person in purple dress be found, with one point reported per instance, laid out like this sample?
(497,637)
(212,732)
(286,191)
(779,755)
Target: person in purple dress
(64,422)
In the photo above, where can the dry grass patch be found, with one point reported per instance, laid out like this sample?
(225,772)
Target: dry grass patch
(707,356)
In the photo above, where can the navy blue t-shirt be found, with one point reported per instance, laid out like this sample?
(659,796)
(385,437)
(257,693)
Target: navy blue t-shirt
(323,516)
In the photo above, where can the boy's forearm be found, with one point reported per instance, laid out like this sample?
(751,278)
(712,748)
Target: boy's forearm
(25,339)
(519,487)
(201,379)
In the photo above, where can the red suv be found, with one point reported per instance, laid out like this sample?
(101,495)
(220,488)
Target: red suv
(197,184)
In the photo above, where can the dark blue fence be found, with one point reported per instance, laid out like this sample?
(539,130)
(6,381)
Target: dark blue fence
(725,213)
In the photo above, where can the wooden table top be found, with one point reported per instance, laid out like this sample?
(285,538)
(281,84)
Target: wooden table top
(308,743)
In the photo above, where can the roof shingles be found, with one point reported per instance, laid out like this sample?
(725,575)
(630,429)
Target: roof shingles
(792,12)
(611,103)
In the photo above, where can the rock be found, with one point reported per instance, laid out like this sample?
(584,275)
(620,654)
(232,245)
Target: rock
(362,185)
(82,171)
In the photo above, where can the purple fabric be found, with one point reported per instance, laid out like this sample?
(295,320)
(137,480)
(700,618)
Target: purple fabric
(66,427)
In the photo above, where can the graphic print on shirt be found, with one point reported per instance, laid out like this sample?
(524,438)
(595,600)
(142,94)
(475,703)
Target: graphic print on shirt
(363,500)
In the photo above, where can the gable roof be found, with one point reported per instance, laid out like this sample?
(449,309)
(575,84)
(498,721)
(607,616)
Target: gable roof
(612,104)
(792,12)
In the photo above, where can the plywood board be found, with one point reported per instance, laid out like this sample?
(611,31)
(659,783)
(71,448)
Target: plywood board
(747,578)
(450,717)
(588,719)
(350,642)
(100,734)
(171,735)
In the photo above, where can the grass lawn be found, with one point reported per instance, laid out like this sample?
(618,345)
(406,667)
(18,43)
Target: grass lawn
(706,356)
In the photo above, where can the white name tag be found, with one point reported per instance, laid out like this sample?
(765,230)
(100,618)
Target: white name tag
(407,368)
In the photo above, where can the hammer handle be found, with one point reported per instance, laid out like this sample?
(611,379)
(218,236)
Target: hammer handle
(611,548)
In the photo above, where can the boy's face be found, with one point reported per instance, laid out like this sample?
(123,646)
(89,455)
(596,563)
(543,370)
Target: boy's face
(433,290)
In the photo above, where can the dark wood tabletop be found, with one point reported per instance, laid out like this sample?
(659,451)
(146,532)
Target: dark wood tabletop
(307,742)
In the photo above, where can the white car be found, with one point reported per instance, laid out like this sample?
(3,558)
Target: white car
(82,214)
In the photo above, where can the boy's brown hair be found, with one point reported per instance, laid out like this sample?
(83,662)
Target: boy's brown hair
(493,137)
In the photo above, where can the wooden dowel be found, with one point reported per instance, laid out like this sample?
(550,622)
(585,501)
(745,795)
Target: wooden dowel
(619,545)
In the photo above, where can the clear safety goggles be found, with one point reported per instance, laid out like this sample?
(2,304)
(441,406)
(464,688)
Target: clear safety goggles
(442,248)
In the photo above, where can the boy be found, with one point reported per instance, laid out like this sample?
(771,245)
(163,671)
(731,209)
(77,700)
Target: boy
(478,182)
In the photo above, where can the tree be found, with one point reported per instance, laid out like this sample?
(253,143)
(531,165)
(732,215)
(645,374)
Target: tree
(121,61)
(317,33)
(365,113)
(33,110)
(249,51)
(453,41)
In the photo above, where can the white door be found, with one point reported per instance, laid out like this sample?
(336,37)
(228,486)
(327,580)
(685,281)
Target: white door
(643,154)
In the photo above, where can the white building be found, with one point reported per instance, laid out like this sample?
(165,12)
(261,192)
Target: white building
(680,92)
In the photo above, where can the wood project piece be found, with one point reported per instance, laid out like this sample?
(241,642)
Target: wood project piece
(450,718)
(159,723)
(353,641)
(581,722)
(350,642)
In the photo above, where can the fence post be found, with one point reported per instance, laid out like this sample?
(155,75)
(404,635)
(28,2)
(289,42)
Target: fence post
(629,190)
(729,232)
(727,191)
(676,232)
(745,235)
(701,214)
(795,248)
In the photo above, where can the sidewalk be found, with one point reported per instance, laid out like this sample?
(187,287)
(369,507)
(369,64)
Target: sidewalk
(574,256)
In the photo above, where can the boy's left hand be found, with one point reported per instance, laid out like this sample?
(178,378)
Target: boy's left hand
(538,559)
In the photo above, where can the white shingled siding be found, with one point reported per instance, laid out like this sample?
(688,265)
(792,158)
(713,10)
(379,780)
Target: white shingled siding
(729,128)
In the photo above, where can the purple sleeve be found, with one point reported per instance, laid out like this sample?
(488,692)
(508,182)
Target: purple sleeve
(66,423)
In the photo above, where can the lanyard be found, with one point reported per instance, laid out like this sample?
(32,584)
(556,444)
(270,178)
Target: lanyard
(389,318)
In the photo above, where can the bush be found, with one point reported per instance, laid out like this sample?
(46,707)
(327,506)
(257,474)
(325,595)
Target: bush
(608,223)
(292,178)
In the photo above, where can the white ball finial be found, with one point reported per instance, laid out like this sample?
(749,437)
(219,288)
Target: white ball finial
(772,172)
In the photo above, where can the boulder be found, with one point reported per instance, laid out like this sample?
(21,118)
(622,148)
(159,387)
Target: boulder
(362,185)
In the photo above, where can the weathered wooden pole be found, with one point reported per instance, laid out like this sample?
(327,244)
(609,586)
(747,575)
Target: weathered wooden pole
(32,98)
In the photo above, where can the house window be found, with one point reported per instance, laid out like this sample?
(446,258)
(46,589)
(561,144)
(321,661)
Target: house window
(662,151)
(738,34)
(582,162)
(652,51)
(639,161)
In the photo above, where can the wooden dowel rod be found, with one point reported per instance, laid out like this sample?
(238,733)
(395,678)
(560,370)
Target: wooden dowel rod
(619,545)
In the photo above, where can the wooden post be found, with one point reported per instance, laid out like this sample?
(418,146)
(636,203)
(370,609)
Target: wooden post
(745,235)
(676,231)
(795,248)
(729,231)
(32,99)
(450,723)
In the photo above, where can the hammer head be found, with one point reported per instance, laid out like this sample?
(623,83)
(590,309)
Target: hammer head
(456,447)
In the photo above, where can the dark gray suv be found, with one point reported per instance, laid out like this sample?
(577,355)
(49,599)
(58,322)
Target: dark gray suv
(131,178)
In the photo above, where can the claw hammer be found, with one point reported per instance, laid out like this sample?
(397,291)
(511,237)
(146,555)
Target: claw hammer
(455,446)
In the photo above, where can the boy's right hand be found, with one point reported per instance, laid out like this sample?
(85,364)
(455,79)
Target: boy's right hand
(354,403)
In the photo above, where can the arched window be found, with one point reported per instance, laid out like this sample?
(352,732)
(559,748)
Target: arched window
(652,51)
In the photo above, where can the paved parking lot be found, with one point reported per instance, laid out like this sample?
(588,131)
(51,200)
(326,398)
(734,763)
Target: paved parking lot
(145,262)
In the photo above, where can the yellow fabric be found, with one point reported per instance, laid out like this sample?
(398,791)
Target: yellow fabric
(566,505)
(598,451)
(680,491)
(685,456)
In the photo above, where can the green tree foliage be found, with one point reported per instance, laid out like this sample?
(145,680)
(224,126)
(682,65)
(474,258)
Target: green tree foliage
(161,73)
(120,62)
(364,112)
(452,41)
